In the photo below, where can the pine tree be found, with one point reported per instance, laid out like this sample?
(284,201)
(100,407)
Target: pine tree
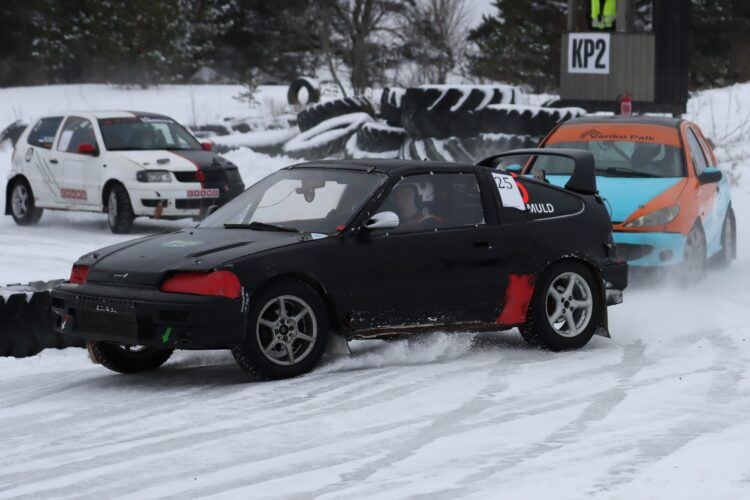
(520,44)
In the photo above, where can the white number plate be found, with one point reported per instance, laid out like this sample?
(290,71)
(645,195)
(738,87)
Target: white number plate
(203,193)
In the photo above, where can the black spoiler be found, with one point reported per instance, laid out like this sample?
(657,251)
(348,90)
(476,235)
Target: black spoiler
(583,179)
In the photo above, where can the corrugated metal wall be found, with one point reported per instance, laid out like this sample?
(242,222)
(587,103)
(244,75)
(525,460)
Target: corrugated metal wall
(631,71)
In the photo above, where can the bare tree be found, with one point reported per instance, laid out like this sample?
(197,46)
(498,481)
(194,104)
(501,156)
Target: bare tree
(435,37)
(361,33)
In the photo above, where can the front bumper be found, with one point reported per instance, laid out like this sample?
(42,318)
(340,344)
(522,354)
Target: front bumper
(652,249)
(179,199)
(144,316)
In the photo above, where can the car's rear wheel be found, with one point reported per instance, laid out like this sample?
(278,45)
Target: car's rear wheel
(128,358)
(288,329)
(120,213)
(22,206)
(566,307)
(693,267)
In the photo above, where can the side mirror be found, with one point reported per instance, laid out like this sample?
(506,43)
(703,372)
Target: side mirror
(211,209)
(86,149)
(206,146)
(710,176)
(382,220)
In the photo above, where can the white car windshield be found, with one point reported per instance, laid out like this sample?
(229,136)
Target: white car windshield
(316,200)
(144,133)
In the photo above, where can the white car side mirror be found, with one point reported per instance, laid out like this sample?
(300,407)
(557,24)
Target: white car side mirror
(382,220)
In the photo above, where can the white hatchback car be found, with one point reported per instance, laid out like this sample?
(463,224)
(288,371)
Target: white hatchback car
(124,163)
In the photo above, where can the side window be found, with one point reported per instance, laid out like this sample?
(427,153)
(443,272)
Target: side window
(44,131)
(696,153)
(707,151)
(439,201)
(75,132)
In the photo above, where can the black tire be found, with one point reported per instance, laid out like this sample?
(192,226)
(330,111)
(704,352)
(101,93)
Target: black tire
(120,213)
(298,297)
(390,105)
(219,130)
(312,87)
(693,268)
(22,205)
(15,327)
(379,137)
(308,144)
(444,111)
(728,250)
(128,359)
(463,150)
(314,115)
(539,329)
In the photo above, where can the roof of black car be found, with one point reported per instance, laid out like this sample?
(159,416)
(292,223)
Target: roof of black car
(666,121)
(378,165)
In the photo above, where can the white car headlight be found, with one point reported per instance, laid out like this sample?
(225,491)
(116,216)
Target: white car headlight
(153,176)
(656,218)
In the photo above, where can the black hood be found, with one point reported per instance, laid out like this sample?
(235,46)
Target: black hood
(205,160)
(146,261)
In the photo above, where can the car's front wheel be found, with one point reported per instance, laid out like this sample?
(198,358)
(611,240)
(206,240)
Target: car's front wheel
(120,213)
(566,307)
(288,329)
(22,206)
(128,358)
(693,267)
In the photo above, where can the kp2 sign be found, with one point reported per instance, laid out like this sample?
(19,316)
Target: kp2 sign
(588,53)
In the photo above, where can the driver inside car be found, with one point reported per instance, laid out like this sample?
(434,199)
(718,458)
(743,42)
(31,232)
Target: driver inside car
(409,198)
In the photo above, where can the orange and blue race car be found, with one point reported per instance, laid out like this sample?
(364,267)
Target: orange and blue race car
(670,204)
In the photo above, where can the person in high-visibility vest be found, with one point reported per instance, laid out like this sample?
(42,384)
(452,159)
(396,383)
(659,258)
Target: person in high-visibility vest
(603,18)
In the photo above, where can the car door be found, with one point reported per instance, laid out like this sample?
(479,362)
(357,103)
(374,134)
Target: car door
(45,177)
(74,151)
(709,208)
(438,266)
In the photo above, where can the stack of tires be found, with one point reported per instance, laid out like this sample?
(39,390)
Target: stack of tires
(468,123)
(27,324)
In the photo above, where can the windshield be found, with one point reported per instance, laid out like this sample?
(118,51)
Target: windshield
(315,200)
(145,132)
(618,159)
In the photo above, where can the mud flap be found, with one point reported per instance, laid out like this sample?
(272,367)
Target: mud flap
(92,355)
(603,329)
(337,346)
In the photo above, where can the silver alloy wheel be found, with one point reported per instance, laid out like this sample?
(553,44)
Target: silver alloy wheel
(112,208)
(20,201)
(570,304)
(287,330)
(695,253)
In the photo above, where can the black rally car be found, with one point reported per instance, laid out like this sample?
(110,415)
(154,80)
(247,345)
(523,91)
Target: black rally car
(355,249)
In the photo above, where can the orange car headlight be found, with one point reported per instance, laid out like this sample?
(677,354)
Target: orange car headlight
(656,218)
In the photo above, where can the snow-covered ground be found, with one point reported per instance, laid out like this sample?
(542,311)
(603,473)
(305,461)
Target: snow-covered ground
(658,411)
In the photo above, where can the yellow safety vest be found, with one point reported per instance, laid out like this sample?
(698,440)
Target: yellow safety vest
(605,19)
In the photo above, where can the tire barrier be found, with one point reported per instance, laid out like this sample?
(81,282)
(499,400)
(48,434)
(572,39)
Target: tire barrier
(12,132)
(390,105)
(379,137)
(463,150)
(326,139)
(27,324)
(311,85)
(519,119)
(208,131)
(435,110)
(314,115)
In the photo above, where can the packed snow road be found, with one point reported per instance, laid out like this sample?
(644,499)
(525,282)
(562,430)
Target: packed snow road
(660,410)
